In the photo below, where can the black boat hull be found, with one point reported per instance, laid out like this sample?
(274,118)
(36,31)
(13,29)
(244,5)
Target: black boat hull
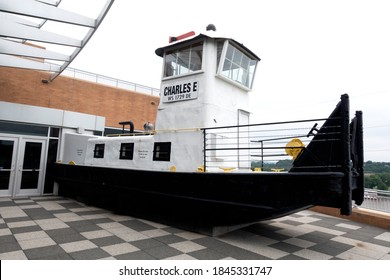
(213,203)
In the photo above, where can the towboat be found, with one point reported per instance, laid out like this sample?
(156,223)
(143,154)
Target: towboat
(195,167)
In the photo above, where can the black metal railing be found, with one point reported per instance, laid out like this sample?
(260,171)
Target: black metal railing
(109,81)
(238,147)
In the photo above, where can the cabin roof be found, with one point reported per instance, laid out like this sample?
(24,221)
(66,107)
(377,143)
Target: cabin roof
(160,51)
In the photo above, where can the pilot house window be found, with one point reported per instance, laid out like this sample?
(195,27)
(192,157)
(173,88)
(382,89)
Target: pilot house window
(162,151)
(126,151)
(183,61)
(236,65)
(98,152)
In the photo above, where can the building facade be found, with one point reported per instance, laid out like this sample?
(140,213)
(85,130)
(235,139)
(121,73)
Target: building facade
(36,113)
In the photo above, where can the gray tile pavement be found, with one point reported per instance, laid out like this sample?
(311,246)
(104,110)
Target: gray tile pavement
(58,228)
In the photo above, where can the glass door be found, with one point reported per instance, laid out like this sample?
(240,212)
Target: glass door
(31,162)
(8,148)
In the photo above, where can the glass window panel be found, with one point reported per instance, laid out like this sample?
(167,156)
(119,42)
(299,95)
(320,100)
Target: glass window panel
(184,60)
(54,132)
(50,167)
(196,57)
(238,66)
(234,74)
(27,129)
(32,155)
(245,62)
(31,164)
(229,52)
(227,65)
(4,179)
(170,61)
(6,151)
(245,77)
(29,180)
(162,151)
(237,57)
(240,76)
(126,151)
(99,151)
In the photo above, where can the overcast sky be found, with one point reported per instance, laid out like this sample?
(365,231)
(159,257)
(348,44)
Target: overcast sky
(311,52)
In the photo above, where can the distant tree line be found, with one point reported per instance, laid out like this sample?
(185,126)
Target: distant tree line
(376,167)
(376,174)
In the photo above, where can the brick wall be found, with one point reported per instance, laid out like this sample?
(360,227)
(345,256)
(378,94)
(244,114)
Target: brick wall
(116,105)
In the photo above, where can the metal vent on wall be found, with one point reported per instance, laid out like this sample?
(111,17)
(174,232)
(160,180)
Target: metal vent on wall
(25,42)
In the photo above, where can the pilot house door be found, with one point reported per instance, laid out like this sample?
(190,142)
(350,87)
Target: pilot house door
(244,160)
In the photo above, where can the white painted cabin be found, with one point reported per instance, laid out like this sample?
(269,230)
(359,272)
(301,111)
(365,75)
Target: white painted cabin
(205,83)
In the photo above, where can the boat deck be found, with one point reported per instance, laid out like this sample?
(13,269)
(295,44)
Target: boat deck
(53,227)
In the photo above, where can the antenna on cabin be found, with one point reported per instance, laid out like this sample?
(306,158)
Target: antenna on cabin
(211,27)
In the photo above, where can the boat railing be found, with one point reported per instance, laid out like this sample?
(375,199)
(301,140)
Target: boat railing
(141,133)
(244,146)
(378,200)
(108,81)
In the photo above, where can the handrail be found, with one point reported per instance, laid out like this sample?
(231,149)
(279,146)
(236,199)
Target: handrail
(105,80)
(238,146)
(378,200)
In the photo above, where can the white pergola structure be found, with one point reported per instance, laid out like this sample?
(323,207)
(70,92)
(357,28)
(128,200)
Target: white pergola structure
(24,42)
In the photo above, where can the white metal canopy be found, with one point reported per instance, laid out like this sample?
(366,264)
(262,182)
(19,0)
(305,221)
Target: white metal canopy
(25,44)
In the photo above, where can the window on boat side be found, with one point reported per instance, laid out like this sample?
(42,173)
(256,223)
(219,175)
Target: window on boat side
(126,151)
(184,60)
(235,65)
(98,152)
(162,151)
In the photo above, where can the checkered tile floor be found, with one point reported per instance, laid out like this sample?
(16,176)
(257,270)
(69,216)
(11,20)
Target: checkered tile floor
(54,227)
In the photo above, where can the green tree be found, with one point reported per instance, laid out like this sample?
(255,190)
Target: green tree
(385,177)
(374,182)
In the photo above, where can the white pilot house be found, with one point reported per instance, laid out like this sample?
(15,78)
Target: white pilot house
(205,83)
